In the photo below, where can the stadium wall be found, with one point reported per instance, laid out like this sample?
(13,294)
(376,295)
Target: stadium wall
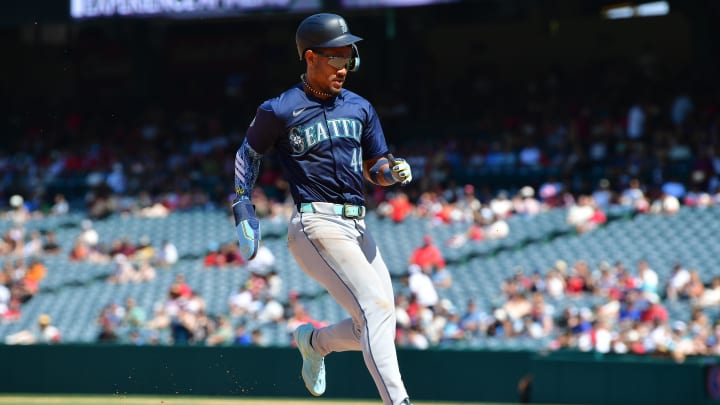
(447,375)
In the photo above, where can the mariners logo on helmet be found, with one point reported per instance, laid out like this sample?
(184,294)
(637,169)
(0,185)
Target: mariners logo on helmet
(343,25)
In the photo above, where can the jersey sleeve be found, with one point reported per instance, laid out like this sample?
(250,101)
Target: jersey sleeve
(373,137)
(264,128)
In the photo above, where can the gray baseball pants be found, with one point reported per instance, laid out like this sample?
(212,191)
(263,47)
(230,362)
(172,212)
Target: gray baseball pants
(342,256)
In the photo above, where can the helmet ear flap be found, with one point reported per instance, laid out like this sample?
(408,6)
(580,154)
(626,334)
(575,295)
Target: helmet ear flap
(354,63)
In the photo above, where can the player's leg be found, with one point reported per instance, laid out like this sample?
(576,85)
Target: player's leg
(328,250)
(372,253)
(374,257)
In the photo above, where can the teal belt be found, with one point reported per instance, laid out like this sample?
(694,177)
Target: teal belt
(349,211)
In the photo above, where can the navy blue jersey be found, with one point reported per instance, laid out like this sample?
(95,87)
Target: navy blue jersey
(321,143)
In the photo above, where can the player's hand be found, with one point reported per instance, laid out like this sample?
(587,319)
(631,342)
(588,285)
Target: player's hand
(248,228)
(400,170)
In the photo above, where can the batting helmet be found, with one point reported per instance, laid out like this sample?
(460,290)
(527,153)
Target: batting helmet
(325,30)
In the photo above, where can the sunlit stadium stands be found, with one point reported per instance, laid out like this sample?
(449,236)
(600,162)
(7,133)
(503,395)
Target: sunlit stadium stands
(74,293)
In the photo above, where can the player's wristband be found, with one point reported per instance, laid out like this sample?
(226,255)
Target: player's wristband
(381,174)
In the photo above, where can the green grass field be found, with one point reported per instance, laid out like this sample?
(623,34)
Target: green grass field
(6,399)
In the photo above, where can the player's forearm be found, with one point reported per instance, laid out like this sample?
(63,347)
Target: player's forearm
(247,168)
(378,172)
(386,171)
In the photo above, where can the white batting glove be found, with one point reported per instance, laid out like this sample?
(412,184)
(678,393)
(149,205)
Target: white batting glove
(401,171)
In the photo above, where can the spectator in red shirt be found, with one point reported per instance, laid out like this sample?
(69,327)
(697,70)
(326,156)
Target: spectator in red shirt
(654,312)
(214,258)
(427,256)
(181,287)
(575,285)
(401,207)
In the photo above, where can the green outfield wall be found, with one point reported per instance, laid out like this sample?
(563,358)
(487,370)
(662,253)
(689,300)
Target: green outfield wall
(447,375)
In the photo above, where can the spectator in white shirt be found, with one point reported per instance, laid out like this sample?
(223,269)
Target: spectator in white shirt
(167,255)
(422,286)
(679,277)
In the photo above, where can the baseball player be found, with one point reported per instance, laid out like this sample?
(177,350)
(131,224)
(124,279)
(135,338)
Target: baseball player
(329,141)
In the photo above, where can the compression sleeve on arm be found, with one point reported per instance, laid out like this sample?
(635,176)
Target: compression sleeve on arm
(247,167)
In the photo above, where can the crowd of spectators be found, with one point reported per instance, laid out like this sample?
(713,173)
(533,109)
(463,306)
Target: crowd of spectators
(24,252)
(630,317)
(607,308)
(573,132)
(182,317)
(611,135)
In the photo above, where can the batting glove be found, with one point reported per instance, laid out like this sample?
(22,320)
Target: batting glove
(401,171)
(248,228)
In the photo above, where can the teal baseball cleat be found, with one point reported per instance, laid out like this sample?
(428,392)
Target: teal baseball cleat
(313,369)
